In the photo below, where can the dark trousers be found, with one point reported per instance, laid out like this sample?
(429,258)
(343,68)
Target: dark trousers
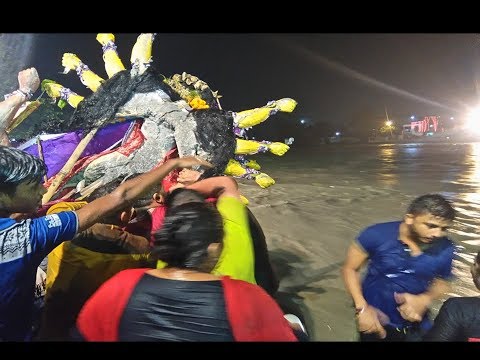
(264,273)
(413,333)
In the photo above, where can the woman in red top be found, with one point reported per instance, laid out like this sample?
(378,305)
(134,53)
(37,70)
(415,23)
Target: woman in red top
(183,302)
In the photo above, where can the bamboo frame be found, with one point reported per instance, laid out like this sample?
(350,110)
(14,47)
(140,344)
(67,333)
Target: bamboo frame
(68,166)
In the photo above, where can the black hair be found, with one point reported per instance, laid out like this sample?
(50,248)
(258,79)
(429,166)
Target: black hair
(216,137)
(17,166)
(434,204)
(186,233)
(100,108)
(181,196)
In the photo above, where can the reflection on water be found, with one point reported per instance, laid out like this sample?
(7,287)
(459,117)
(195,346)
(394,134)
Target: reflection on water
(387,157)
(467,203)
(471,176)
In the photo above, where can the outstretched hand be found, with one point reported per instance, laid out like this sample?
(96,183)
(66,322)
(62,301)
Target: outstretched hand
(28,80)
(371,321)
(411,307)
(188,176)
(190,161)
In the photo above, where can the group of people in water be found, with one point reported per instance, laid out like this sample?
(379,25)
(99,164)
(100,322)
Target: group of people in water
(142,259)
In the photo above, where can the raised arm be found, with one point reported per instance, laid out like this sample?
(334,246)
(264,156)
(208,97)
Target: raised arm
(28,83)
(130,190)
(217,186)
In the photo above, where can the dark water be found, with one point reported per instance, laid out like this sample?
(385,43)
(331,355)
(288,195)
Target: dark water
(333,191)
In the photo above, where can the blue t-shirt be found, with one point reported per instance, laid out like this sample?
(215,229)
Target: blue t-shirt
(23,246)
(392,269)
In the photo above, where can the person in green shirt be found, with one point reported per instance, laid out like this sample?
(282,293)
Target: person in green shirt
(236,257)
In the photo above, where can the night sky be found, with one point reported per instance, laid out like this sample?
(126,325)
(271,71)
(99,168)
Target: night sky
(338,79)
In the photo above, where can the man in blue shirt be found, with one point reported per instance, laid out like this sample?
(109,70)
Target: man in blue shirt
(24,244)
(410,263)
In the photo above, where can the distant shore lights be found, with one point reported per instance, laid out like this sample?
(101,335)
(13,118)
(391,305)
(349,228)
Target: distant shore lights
(424,125)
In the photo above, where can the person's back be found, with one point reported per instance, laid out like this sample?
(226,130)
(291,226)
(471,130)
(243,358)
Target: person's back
(264,274)
(459,317)
(237,256)
(457,320)
(184,301)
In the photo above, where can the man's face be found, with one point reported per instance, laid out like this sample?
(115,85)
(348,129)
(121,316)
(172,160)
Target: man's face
(425,228)
(27,198)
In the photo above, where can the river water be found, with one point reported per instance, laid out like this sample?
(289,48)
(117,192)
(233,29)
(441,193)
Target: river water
(324,196)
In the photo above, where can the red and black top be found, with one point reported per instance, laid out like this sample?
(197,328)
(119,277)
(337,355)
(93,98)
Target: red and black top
(135,306)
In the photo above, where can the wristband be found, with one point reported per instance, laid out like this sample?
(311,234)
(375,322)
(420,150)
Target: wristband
(26,95)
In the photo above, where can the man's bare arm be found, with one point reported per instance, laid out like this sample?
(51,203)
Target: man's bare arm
(354,260)
(217,186)
(438,289)
(130,190)
(28,82)
(367,317)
